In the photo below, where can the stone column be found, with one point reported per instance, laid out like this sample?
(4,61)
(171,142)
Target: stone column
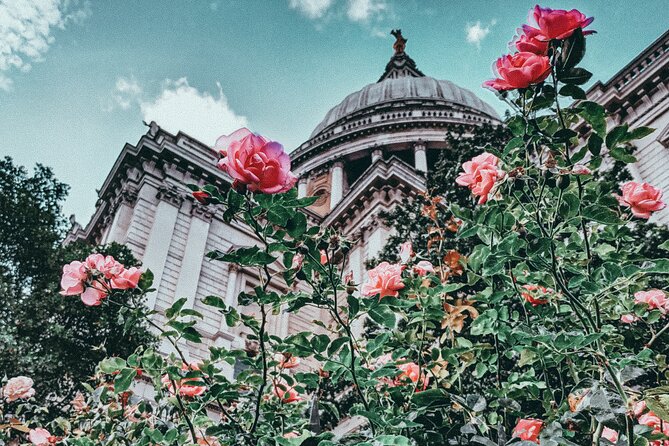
(337,183)
(377,154)
(231,292)
(191,264)
(420,154)
(122,217)
(302,187)
(160,237)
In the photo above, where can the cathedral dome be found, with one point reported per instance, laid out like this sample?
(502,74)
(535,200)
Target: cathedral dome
(441,93)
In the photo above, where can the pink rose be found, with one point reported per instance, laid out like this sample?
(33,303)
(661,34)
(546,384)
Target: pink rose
(291,435)
(260,164)
(285,393)
(183,386)
(106,265)
(40,437)
(556,23)
(384,280)
(73,279)
(19,387)
(527,41)
(519,70)
(202,196)
(528,429)
(610,435)
(536,294)
(480,175)
(411,373)
(655,299)
(628,318)
(92,296)
(657,424)
(423,267)
(324,257)
(642,198)
(406,252)
(208,441)
(127,279)
(298,259)
(287,360)
(580,169)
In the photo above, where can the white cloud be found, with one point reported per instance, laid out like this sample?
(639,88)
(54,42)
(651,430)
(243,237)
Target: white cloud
(363,10)
(180,107)
(26,31)
(126,92)
(313,9)
(477,32)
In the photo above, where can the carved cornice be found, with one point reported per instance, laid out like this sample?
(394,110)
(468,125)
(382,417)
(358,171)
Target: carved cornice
(202,212)
(171,194)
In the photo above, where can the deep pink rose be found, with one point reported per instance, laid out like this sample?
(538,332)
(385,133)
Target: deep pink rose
(657,424)
(528,429)
(406,252)
(19,387)
(260,164)
(628,318)
(285,393)
(480,175)
(127,279)
(384,280)
(642,198)
(556,23)
(202,196)
(423,267)
(324,257)
(536,294)
(610,435)
(186,386)
(519,70)
(655,299)
(527,41)
(73,279)
(40,437)
(411,373)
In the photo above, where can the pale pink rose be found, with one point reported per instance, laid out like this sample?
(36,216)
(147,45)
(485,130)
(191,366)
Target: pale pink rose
(19,387)
(93,296)
(78,403)
(519,70)
(260,164)
(406,252)
(324,257)
(127,279)
(580,169)
(40,437)
(638,408)
(384,280)
(528,429)
(642,198)
(655,299)
(556,23)
(73,279)
(411,373)
(527,41)
(298,259)
(480,175)
(187,386)
(628,318)
(285,393)
(536,294)
(423,268)
(610,435)
(348,277)
(291,435)
(106,265)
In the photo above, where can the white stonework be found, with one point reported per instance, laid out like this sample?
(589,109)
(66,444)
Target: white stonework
(370,151)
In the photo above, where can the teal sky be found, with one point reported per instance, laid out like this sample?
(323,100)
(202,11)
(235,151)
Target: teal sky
(83,83)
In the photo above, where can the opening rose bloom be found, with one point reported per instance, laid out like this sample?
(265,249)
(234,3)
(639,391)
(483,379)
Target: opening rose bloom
(252,160)
(527,41)
(528,429)
(384,280)
(519,70)
(41,437)
(19,387)
(536,294)
(287,394)
(410,373)
(556,23)
(642,198)
(655,299)
(423,268)
(186,386)
(480,175)
(610,435)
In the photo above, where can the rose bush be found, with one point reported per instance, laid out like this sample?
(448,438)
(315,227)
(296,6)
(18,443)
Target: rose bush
(550,335)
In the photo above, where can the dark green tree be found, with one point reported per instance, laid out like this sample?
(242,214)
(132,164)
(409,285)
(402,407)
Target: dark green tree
(51,338)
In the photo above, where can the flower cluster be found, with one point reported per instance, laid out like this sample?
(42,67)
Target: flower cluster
(95,277)
(531,64)
(480,175)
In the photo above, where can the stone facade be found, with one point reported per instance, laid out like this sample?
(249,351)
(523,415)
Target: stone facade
(638,95)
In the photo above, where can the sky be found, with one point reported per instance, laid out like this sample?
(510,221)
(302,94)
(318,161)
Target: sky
(78,77)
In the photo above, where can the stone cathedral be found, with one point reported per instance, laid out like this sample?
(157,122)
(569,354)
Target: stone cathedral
(370,150)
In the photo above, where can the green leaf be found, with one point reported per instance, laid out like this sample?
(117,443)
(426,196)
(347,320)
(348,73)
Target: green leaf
(595,115)
(664,245)
(514,143)
(601,214)
(616,136)
(622,154)
(573,91)
(111,365)
(640,132)
(569,205)
(383,315)
(336,345)
(575,76)
(573,50)
(124,379)
(595,144)
(657,400)
(175,308)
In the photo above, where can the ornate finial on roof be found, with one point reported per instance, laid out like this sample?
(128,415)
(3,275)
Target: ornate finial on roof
(400,41)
